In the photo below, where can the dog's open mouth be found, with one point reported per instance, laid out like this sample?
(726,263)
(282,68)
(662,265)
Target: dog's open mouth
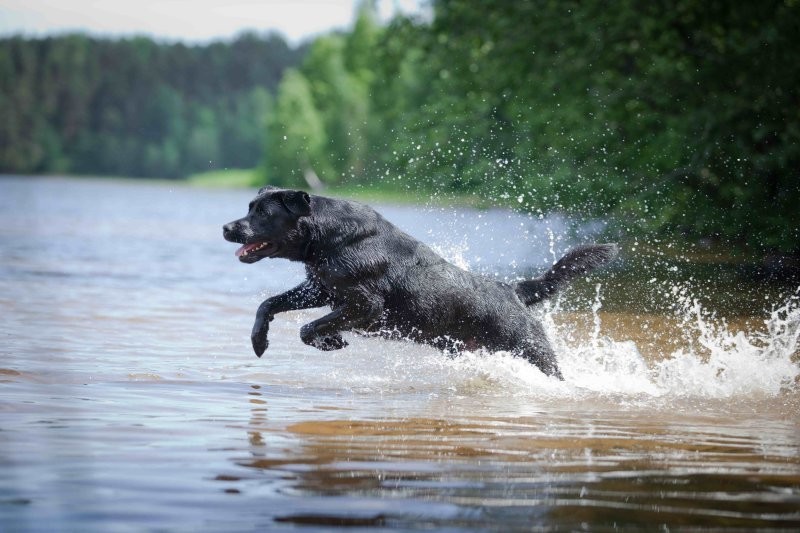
(251,252)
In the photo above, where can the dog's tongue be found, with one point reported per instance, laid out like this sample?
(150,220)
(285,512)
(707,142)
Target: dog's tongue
(245,248)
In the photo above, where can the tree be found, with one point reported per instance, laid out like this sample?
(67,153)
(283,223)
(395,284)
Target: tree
(295,135)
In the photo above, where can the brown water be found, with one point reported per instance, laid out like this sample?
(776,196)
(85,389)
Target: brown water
(130,399)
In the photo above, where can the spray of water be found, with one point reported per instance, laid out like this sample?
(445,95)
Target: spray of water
(712,362)
(724,363)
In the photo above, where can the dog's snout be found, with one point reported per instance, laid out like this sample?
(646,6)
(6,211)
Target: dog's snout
(237,231)
(228,230)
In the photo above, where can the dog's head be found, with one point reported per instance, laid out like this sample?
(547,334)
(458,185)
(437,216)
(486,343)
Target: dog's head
(270,228)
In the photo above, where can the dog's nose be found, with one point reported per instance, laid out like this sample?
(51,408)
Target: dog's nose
(227,229)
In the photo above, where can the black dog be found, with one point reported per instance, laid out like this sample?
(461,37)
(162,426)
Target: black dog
(378,279)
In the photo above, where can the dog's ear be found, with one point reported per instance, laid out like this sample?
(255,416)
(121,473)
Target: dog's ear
(297,202)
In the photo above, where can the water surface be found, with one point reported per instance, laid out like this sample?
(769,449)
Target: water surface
(131,399)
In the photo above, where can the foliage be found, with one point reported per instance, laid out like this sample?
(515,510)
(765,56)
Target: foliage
(296,135)
(135,107)
(321,117)
(678,117)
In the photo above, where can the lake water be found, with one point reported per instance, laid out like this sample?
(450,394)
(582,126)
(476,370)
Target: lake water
(131,400)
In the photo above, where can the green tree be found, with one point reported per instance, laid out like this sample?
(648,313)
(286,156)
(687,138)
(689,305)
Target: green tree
(359,44)
(202,144)
(342,101)
(330,141)
(295,135)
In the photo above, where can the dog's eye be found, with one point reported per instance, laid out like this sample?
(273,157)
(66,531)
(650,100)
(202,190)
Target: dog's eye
(250,206)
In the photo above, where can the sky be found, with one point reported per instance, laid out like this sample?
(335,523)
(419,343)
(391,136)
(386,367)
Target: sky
(185,20)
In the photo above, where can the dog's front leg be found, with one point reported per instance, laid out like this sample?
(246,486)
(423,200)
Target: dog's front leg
(324,333)
(304,296)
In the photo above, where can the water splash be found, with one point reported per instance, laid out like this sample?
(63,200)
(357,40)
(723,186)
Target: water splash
(601,364)
(455,253)
(722,363)
(713,360)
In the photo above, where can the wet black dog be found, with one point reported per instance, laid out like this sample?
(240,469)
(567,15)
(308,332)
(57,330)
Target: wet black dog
(378,279)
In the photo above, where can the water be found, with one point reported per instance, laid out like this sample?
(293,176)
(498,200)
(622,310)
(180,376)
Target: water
(131,399)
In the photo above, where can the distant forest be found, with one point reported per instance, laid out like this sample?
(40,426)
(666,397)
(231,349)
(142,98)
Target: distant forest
(678,118)
(135,107)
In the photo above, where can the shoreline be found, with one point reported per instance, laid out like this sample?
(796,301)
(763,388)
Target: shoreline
(246,179)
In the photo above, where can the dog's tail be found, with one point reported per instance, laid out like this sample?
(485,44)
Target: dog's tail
(577,262)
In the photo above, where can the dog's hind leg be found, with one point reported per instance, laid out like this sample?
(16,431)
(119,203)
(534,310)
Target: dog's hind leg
(537,350)
(305,296)
(545,360)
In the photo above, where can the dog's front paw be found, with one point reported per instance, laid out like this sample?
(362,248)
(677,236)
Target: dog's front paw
(330,342)
(326,343)
(260,344)
(259,335)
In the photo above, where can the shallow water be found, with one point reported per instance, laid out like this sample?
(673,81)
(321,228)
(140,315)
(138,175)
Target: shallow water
(131,399)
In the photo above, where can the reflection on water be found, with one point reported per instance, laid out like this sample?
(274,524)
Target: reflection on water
(561,470)
(131,400)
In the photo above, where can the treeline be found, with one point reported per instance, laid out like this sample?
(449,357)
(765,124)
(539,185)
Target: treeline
(680,117)
(135,107)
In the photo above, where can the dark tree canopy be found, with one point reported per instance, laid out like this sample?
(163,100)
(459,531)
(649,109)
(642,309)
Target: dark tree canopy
(680,116)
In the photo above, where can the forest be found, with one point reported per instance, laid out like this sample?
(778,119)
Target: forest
(675,118)
(134,107)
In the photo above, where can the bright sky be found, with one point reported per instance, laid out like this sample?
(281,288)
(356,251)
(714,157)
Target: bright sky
(188,20)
